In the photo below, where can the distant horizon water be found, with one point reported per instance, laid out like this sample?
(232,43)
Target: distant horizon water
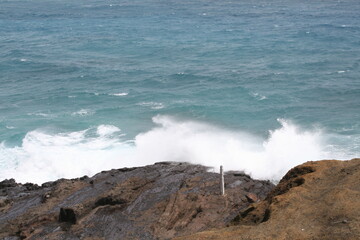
(257,86)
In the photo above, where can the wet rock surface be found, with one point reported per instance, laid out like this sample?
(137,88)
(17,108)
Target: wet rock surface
(159,201)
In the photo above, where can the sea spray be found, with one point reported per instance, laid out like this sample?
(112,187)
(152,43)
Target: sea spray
(44,156)
(201,143)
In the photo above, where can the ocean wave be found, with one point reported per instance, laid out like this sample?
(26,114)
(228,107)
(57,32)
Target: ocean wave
(106,130)
(258,96)
(152,105)
(342,71)
(45,156)
(40,114)
(119,94)
(83,112)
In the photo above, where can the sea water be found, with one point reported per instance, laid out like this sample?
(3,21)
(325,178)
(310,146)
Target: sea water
(254,85)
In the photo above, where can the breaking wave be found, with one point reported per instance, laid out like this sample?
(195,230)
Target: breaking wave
(46,157)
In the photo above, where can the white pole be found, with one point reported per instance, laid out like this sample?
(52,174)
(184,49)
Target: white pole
(222,185)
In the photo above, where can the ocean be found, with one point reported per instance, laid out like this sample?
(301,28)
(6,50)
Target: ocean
(254,85)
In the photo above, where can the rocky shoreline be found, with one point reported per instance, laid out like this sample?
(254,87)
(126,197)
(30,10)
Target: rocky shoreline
(159,201)
(316,200)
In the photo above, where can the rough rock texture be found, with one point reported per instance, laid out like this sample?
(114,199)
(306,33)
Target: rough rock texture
(316,200)
(159,201)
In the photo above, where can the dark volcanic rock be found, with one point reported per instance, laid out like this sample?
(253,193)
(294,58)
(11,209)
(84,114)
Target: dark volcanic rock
(158,201)
(67,215)
(8,183)
(109,200)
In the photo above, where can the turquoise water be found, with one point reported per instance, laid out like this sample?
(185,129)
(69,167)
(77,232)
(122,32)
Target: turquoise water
(254,85)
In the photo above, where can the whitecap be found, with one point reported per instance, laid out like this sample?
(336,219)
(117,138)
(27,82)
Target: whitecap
(258,96)
(152,105)
(119,94)
(83,112)
(106,130)
(201,143)
(46,156)
(39,114)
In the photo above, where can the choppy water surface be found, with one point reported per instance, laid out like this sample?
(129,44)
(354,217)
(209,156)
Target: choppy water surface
(255,85)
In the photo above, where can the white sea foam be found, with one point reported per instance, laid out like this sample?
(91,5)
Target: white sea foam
(44,156)
(200,143)
(258,96)
(119,94)
(106,130)
(40,114)
(83,112)
(152,105)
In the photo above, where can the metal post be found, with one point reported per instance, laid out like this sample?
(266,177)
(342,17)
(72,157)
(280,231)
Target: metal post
(222,185)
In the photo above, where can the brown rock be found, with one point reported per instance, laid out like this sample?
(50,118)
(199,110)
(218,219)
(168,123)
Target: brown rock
(316,200)
(251,197)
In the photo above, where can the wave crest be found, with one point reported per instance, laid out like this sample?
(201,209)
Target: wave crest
(44,156)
